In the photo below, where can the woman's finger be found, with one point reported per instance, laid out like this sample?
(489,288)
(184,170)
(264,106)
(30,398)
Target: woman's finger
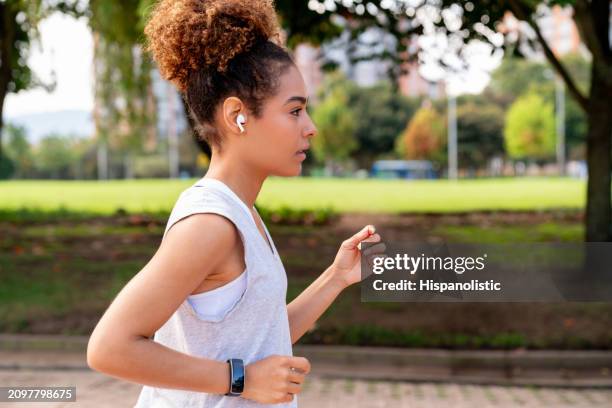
(354,241)
(296,377)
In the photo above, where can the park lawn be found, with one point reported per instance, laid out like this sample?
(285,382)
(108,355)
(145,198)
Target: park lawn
(340,194)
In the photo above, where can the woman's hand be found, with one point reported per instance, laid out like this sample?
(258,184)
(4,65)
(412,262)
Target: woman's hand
(347,264)
(275,379)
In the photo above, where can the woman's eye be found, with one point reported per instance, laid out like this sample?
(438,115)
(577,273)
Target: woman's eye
(297,110)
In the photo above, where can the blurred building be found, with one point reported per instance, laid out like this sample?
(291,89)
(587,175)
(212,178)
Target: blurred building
(171,119)
(413,84)
(557,27)
(560,31)
(307,59)
(364,73)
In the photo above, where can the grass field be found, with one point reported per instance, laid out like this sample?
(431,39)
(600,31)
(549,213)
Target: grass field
(60,270)
(343,195)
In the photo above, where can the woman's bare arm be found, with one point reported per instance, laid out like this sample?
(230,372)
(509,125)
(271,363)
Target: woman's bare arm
(120,346)
(306,309)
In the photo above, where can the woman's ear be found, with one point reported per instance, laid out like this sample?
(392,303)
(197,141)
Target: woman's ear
(231,108)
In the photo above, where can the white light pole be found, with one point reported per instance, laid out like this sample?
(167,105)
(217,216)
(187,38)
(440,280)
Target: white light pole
(559,119)
(452,136)
(173,153)
(560,122)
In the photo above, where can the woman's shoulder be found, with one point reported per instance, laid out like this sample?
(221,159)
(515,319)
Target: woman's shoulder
(199,196)
(204,199)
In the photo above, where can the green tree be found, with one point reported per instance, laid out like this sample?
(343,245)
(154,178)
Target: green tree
(479,134)
(335,123)
(529,130)
(125,111)
(19,21)
(517,76)
(380,115)
(480,21)
(19,150)
(55,155)
(425,137)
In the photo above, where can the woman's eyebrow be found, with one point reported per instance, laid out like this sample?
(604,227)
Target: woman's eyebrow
(297,98)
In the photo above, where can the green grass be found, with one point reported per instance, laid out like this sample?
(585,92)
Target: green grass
(545,232)
(35,288)
(343,195)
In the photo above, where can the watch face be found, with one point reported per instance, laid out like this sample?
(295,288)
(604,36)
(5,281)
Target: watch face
(236,377)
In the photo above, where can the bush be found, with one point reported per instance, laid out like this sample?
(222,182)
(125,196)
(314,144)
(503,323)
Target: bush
(7,167)
(292,216)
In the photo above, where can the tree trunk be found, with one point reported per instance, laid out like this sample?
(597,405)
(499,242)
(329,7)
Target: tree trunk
(2,95)
(7,37)
(599,161)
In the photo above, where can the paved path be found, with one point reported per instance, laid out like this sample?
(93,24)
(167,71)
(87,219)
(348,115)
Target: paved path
(100,391)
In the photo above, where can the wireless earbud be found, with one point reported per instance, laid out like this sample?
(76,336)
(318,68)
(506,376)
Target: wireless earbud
(240,120)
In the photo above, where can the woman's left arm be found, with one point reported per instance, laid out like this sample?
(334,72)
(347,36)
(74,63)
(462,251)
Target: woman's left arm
(305,309)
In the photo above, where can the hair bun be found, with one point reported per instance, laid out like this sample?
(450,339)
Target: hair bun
(187,35)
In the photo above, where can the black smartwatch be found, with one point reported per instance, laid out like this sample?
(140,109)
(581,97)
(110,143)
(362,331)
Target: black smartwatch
(236,377)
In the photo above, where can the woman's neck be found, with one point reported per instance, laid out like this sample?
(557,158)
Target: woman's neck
(243,181)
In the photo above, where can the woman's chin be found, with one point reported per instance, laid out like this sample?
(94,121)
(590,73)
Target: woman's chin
(295,170)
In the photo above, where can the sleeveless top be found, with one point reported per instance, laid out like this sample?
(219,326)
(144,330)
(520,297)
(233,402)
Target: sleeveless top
(255,327)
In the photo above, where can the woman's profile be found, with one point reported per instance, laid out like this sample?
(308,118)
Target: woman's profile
(205,322)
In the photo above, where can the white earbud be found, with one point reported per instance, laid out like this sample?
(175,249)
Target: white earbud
(240,120)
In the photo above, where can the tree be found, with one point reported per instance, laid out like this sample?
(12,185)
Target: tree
(335,123)
(19,150)
(55,155)
(529,131)
(517,76)
(425,137)
(463,22)
(480,133)
(124,112)
(18,29)
(380,115)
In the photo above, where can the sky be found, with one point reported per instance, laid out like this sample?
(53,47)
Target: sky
(67,51)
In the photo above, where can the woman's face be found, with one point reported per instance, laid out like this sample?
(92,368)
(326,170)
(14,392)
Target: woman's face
(271,143)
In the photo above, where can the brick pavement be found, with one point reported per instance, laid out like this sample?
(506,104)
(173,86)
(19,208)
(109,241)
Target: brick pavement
(98,390)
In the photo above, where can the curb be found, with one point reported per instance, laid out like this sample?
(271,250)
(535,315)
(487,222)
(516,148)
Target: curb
(27,342)
(551,368)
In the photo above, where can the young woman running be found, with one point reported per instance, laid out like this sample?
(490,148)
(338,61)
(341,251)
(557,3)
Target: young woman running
(205,322)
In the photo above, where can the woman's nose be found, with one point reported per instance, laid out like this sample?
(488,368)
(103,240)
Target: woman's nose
(311,129)
(311,132)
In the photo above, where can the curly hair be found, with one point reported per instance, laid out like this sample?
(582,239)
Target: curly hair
(212,49)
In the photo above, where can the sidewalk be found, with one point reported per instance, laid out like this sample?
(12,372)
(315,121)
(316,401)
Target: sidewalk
(342,376)
(95,390)
(549,368)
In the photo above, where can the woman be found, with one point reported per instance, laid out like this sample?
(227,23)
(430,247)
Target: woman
(213,295)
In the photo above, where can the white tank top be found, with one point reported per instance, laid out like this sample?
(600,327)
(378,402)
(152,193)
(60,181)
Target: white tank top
(253,327)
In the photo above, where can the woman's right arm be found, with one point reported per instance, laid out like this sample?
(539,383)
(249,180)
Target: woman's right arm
(120,345)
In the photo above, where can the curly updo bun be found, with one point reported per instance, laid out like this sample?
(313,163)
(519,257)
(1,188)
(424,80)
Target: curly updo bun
(217,48)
